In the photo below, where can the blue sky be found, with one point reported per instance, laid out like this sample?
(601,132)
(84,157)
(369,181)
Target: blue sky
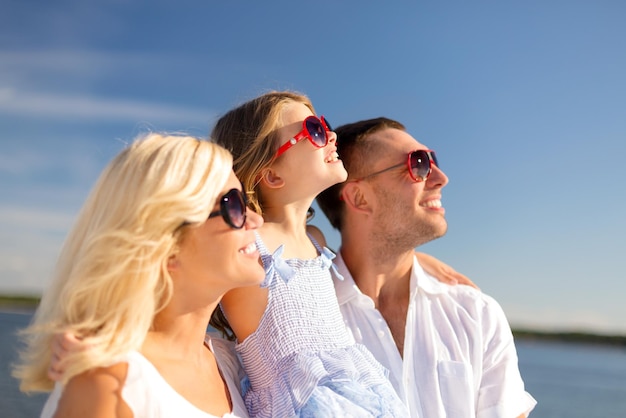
(525,103)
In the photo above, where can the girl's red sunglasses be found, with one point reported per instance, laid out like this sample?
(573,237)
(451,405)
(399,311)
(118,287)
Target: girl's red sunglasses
(314,129)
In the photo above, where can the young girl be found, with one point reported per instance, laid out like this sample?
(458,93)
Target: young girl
(292,340)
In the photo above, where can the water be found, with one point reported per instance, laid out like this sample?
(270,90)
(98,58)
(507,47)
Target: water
(568,380)
(13,403)
(574,380)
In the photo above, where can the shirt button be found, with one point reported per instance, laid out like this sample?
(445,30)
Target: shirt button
(381,334)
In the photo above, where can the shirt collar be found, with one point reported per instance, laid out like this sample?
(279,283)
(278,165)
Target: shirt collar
(347,289)
(424,281)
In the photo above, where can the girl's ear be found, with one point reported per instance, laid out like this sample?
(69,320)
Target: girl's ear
(271,178)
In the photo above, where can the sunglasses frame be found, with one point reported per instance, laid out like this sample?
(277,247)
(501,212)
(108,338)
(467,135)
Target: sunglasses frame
(304,133)
(224,209)
(432,160)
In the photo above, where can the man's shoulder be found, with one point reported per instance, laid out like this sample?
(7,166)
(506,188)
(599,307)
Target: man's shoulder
(473,313)
(464,296)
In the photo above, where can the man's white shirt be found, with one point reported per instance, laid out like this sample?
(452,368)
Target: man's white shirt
(459,355)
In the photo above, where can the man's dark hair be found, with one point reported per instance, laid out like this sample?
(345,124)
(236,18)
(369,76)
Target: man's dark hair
(356,150)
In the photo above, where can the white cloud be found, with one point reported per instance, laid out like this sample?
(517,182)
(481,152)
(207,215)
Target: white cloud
(68,62)
(80,156)
(58,84)
(12,217)
(28,273)
(59,106)
(19,164)
(31,240)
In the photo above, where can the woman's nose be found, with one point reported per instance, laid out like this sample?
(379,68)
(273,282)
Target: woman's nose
(253,219)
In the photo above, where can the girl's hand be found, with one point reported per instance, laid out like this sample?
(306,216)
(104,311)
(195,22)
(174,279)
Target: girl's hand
(442,272)
(62,345)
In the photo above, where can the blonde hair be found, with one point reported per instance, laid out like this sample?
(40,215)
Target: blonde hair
(249,133)
(111,277)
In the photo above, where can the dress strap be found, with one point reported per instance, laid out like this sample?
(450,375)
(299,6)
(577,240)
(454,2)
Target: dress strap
(317,246)
(260,245)
(273,263)
(326,256)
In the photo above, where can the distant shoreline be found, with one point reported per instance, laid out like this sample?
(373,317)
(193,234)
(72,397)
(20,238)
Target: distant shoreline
(28,304)
(570,337)
(18,304)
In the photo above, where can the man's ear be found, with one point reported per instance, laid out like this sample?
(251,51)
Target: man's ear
(271,178)
(355,197)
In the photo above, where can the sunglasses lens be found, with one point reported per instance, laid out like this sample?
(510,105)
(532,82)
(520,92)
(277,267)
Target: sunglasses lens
(328,127)
(420,165)
(434,158)
(316,131)
(234,208)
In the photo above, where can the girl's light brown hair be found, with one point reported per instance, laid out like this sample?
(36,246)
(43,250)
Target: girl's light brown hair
(249,132)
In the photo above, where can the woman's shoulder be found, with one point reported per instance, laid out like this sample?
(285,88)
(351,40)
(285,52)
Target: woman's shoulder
(96,392)
(109,378)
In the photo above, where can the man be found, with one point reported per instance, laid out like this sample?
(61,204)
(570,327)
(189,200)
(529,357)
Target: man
(449,349)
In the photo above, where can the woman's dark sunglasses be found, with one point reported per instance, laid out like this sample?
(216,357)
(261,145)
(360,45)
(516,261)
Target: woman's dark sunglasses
(232,208)
(314,129)
(419,163)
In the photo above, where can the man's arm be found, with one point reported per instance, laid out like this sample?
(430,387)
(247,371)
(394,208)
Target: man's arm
(501,391)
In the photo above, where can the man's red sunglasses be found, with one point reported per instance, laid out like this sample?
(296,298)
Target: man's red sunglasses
(419,163)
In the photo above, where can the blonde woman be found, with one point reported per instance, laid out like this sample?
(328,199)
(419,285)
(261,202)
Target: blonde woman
(163,235)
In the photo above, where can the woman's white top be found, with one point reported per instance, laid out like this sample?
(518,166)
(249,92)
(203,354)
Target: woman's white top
(148,394)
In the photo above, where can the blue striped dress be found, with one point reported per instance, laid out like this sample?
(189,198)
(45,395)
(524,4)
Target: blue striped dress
(301,362)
